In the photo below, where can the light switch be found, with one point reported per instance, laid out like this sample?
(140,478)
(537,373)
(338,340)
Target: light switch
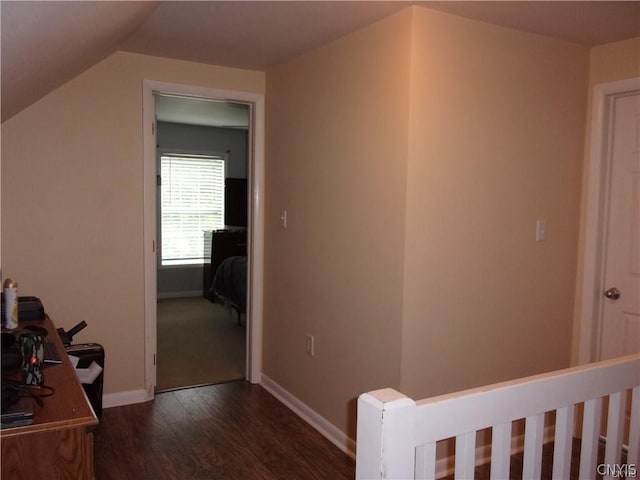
(283,219)
(541,230)
(311,348)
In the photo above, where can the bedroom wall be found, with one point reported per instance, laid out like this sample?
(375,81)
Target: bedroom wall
(336,160)
(615,61)
(72,200)
(496,139)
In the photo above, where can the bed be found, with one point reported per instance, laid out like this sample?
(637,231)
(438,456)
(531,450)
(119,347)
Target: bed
(229,285)
(597,405)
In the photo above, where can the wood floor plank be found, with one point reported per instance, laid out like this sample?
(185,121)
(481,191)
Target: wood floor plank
(228,431)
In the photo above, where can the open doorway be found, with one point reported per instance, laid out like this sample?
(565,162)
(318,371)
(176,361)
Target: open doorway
(255,228)
(202,161)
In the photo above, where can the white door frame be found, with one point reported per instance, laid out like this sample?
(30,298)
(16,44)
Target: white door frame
(256,221)
(593,263)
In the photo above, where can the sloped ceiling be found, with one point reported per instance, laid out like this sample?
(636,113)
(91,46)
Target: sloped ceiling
(45,44)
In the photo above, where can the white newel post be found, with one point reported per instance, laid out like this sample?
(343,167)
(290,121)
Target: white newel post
(385,446)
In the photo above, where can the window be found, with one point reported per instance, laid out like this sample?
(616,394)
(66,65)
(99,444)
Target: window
(191,201)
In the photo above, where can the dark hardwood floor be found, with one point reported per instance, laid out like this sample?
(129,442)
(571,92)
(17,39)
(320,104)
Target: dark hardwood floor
(229,431)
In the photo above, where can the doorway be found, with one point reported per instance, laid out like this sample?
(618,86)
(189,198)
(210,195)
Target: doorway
(202,160)
(598,297)
(255,227)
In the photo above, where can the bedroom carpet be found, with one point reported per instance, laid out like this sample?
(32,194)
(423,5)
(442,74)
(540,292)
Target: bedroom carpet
(199,343)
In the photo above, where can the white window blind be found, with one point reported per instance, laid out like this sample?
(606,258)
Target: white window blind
(192,201)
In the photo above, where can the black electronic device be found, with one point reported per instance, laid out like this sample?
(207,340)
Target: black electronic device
(51,354)
(11,355)
(17,414)
(11,364)
(67,337)
(29,308)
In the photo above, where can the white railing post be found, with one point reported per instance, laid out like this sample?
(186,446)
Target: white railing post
(385,441)
(397,436)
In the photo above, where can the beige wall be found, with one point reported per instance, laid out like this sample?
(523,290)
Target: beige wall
(615,61)
(72,193)
(336,160)
(425,276)
(608,63)
(496,135)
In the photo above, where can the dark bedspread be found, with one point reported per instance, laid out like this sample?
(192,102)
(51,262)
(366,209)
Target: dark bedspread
(229,286)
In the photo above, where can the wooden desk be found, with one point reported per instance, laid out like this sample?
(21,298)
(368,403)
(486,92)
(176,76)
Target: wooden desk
(59,444)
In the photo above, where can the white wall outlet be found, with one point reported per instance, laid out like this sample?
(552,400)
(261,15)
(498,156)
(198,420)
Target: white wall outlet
(310,345)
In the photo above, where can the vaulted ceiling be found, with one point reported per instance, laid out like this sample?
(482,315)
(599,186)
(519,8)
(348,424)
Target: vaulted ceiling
(45,44)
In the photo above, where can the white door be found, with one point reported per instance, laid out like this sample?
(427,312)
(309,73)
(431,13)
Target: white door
(620,324)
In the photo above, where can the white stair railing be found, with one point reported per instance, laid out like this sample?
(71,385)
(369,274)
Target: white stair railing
(397,436)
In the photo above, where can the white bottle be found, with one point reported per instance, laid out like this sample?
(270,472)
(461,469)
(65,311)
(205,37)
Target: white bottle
(11,303)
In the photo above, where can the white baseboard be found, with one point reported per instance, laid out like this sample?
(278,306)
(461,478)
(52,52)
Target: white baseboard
(125,398)
(321,424)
